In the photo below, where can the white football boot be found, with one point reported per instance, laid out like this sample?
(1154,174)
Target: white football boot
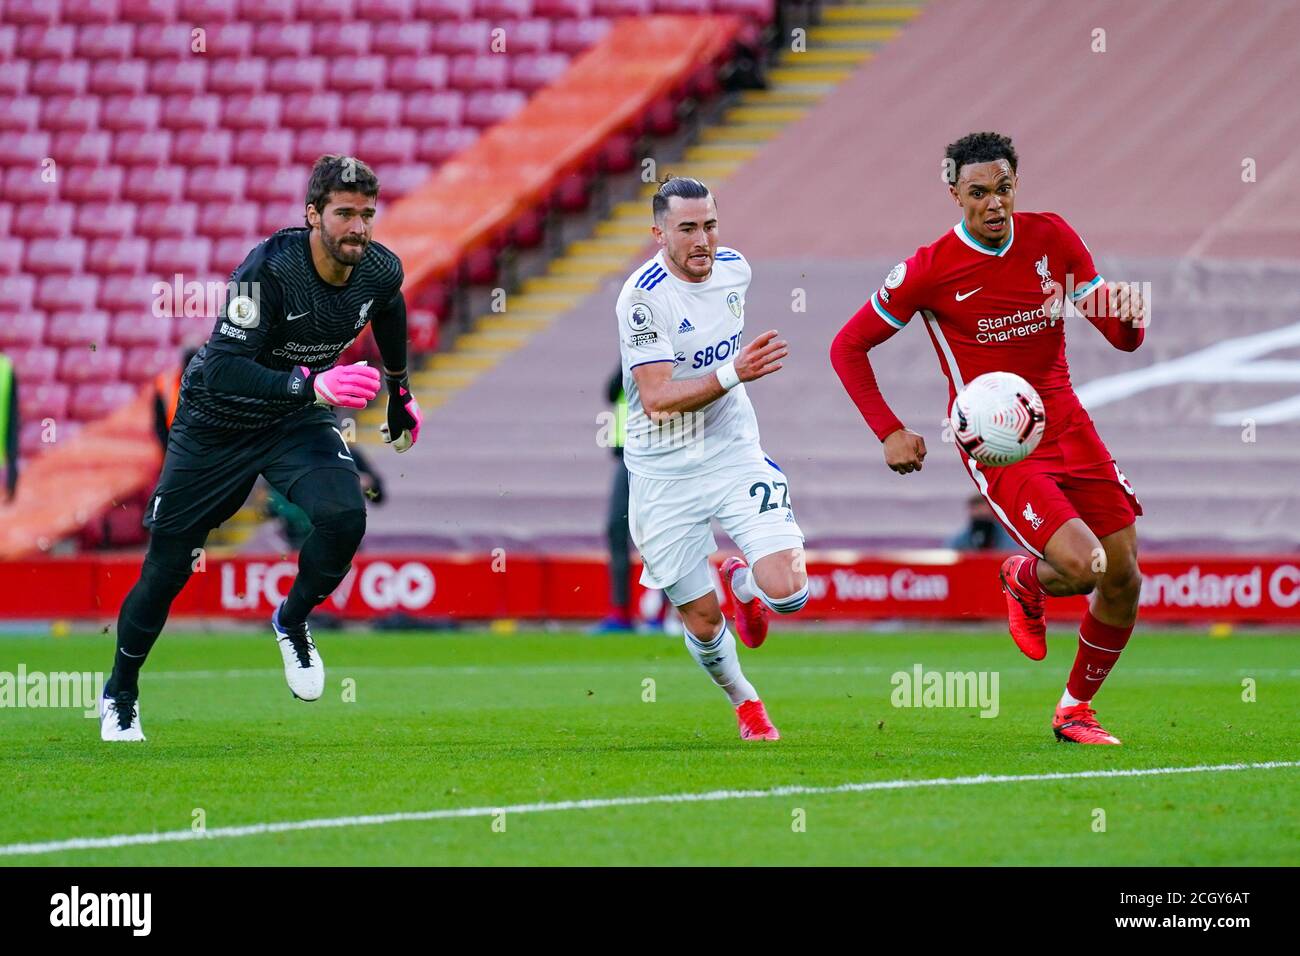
(119,718)
(302,664)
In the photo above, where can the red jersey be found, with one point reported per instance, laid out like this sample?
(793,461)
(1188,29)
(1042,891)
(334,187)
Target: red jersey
(986,310)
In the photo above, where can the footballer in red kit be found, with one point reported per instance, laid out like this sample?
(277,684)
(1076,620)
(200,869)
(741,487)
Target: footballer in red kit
(992,293)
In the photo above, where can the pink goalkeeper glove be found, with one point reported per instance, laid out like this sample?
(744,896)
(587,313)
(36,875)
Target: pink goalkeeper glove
(402,430)
(351,386)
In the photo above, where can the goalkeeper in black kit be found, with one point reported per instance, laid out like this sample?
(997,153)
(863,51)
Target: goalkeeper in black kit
(258,399)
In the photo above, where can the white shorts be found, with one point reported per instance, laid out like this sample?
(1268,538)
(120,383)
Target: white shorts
(669,518)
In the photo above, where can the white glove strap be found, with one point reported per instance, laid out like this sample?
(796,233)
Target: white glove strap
(727,376)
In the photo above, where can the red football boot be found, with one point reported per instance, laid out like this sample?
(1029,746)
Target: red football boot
(754,725)
(1024,611)
(751,617)
(1078,725)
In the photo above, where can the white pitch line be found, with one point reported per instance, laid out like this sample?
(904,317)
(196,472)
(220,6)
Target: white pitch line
(601,803)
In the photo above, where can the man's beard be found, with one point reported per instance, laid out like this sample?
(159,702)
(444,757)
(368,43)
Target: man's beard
(344,252)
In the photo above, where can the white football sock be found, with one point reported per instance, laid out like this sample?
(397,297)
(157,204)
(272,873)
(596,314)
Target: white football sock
(742,585)
(719,658)
(1067,700)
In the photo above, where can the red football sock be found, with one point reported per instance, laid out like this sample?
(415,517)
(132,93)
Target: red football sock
(1027,576)
(1099,648)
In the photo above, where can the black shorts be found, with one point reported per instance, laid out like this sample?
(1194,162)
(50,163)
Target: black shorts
(207,472)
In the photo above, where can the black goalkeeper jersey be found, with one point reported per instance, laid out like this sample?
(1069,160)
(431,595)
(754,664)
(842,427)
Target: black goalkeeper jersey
(281,314)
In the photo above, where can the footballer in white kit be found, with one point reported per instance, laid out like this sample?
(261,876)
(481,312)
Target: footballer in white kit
(692,447)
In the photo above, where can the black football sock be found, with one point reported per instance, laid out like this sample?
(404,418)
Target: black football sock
(333,500)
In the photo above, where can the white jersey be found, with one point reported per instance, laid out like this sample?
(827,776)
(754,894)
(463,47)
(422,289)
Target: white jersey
(698,327)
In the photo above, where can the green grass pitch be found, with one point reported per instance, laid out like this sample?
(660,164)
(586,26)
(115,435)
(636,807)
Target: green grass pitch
(478,719)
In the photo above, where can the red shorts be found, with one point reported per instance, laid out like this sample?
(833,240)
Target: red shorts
(1072,476)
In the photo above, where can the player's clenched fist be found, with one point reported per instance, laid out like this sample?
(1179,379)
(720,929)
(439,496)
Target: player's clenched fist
(1126,303)
(904,451)
(351,386)
(761,357)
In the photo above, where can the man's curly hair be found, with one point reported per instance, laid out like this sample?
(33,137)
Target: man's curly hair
(979,148)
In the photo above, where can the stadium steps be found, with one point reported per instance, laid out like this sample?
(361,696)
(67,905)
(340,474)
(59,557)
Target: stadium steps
(848,37)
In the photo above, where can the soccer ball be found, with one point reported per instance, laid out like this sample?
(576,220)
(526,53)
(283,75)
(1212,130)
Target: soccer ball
(998,419)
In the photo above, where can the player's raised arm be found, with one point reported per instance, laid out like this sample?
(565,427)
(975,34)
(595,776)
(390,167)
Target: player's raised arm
(402,430)
(663,396)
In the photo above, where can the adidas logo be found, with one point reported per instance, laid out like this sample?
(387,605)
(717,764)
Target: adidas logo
(685,327)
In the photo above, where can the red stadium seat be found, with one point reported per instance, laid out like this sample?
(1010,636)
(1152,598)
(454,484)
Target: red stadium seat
(137,327)
(63,256)
(469,36)
(326,11)
(237,75)
(75,113)
(167,219)
(178,76)
(133,147)
(118,255)
(282,39)
(88,11)
(254,114)
(682,6)
(8,41)
(532,71)
(229,252)
(17,292)
(527,36)
(93,400)
(386,11)
(105,220)
(574,36)
(412,73)
(118,293)
(444,108)
(131,112)
(167,41)
(12,261)
(31,11)
(86,364)
(623,8)
(280,215)
(351,73)
(203,147)
(227,40)
(113,42)
(208,11)
(89,148)
(181,111)
(117,76)
(371,110)
(47,42)
(6,219)
(42,220)
(255,147)
(52,77)
(562,9)
(90,183)
(77,329)
(144,362)
(216,184)
(20,112)
(383,146)
(402,179)
(37,364)
(218,219)
(20,329)
(25,149)
(188,256)
(503,9)
(442,10)
(486,71)
(267,11)
(148,11)
(488,109)
(276,184)
(439,145)
(309,144)
(292,74)
(39,400)
(146,184)
(305,110)
(13,78)
(340,37)
(401,39)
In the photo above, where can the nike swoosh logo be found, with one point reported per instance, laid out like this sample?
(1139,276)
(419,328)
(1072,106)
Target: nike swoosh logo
(308,312)
(966,295)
